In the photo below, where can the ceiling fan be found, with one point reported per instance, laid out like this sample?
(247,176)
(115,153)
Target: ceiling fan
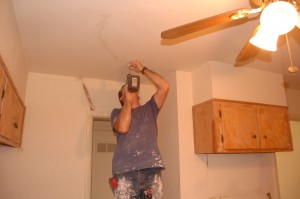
(249,50)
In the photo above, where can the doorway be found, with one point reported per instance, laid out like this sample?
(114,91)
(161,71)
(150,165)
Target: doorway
(103,147)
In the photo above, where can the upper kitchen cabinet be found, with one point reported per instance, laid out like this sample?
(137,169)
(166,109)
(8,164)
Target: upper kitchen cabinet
(12,110)
(226,126)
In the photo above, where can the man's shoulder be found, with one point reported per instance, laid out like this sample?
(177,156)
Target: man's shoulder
(151,105)
(116,110)
(151,100)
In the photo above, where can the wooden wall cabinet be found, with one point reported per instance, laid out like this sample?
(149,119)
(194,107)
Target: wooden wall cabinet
(227,126)
(12,110)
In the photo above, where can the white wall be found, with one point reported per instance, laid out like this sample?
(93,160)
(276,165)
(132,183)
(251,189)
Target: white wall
(10,47)
(293,99)
(169,141)
(288,167)
(193,168)
(220,80)
(234,175)
(51,162)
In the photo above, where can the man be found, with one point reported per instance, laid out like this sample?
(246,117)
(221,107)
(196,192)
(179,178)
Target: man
(137,161)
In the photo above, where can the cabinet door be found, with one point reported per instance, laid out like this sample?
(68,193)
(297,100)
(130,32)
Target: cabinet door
(9,122)
(203,128)
(274,128)
(240,129)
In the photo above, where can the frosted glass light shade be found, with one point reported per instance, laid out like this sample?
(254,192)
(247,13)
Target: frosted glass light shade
(298,23)
(265,39)
(279,17)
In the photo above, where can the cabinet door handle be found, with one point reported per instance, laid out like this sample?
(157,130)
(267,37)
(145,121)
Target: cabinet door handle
(15,125)
(265,136)
(254,136)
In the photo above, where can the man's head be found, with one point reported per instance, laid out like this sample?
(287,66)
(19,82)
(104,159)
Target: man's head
(123,92)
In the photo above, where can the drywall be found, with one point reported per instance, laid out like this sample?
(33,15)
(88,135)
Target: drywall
(288,167)
(234,176)
(52,160)
(293,99)
(169,141)
(10,47)
(51,163)
(220,80)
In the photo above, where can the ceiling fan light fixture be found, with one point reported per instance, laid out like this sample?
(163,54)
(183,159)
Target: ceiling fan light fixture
(280,17)
(264,39)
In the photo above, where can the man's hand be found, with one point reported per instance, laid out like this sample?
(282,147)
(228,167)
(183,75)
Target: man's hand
(136,66)
(128,96)
(161,84)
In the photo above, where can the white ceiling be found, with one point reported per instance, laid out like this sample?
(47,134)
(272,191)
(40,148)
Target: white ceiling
(97,38)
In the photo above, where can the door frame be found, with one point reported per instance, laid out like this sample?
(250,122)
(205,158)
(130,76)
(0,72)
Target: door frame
(90,115)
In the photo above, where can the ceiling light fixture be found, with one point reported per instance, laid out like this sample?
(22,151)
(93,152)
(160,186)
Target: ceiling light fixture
(277,18)
(265,39)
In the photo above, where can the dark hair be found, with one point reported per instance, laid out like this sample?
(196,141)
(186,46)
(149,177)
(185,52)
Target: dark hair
(120,95)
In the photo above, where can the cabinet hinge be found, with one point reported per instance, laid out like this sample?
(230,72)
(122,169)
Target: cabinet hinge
(222,139)
(220,113)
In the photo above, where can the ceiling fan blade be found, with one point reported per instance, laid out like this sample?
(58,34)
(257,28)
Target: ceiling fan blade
(248,50)
(206,23)
(246,53)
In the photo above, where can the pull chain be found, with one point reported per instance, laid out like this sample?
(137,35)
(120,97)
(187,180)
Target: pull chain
(292,69)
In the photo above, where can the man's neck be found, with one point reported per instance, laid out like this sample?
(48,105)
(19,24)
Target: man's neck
(135,102)
(135,105)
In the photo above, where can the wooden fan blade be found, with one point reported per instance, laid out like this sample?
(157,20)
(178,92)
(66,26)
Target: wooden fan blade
(205,23)
(248,51)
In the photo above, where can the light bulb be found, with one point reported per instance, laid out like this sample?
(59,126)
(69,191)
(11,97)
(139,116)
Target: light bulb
(265,39)
(279,17)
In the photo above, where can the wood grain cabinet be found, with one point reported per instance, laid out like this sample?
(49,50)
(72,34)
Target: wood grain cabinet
(12,111)
(226,126)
